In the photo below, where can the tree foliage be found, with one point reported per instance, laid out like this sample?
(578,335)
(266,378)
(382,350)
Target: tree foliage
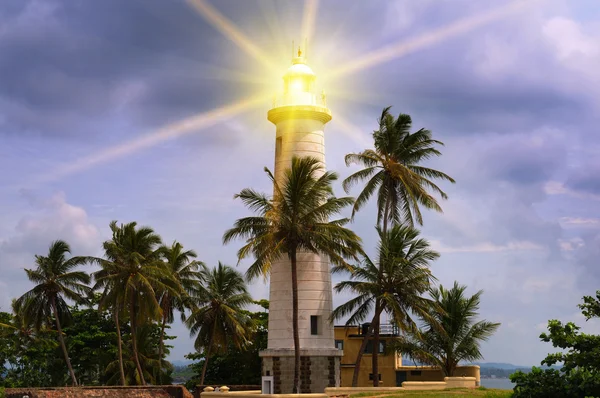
(450,334)
(579,375)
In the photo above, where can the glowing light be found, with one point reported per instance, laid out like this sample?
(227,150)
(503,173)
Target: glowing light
(308,19)
(177,129)
(402,48)
(222,24)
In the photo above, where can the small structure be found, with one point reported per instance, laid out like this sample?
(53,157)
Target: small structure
(392,372)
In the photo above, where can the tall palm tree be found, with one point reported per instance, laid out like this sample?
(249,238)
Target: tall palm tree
(450,334)
(134,270)
(393,169)
(296,219)
(184,270)
(396,281)
(219,318)
(56,279)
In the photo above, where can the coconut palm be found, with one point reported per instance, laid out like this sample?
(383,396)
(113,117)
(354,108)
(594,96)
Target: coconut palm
(450,334)
(219,319)
(134,272)
(296,219)
(393,169)
(56,279)
(185,273)
(396,281)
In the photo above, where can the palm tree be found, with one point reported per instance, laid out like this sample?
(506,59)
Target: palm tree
(149,359)
(219,318)
(55,280)
(184,271)
(134,272)
(397,285)
(393,169)
(295,219)
(111,299)
(450,334)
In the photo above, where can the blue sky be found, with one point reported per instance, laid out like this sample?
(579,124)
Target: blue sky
(515,100)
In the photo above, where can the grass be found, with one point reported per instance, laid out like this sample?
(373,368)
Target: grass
(450,393)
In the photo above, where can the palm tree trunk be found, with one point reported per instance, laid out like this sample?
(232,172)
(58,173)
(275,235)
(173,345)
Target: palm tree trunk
(119,346)
(134,340)
(62,341)
(378,309)
(361,352)
(375,354)
(208,350)
(161,347)
(295,324)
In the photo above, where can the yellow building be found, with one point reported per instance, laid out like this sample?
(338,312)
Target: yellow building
(391,370)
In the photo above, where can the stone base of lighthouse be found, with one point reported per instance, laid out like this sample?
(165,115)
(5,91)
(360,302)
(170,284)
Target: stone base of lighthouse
(319,368)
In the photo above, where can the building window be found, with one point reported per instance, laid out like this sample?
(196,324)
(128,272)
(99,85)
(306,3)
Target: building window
(369,349)
(371,376)
(277,147)
(314,325)
(415,373)
(339,344)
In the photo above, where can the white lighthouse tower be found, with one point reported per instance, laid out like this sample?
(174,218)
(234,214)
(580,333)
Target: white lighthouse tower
(300,117)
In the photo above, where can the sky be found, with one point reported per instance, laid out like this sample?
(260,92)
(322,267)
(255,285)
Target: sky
(130,111)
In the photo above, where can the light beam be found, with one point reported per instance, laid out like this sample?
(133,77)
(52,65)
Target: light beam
(173,130)
(227,28)
(352,131)
(308,20)
(402,48)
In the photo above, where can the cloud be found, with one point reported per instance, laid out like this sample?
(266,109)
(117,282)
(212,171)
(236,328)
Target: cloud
(49,219)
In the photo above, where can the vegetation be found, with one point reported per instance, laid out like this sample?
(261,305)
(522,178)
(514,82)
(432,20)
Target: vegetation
(450,334)
(397,284)
(580,374)
(393,169)
(219,320)
(234,366)
(55,279)
(296,219)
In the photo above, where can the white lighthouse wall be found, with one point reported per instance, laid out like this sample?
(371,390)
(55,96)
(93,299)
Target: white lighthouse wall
(300,137)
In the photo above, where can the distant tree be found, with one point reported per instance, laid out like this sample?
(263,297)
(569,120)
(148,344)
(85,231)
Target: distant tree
(219,318)
(579,375)
(183,269)
(296,219)
(55,280)
(236,365)
(450,333)
(134,272)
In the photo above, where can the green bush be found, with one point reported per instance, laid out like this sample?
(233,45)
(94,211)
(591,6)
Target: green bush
(1,392)
(556,383)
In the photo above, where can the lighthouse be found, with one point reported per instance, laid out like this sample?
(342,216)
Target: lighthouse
(299,115)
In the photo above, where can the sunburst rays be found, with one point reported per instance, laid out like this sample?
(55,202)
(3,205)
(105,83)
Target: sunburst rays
(170,131)
(308,24)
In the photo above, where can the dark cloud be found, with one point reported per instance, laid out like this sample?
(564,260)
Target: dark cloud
(586,180)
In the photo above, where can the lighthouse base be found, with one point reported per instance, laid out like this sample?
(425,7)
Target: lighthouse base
(319,369)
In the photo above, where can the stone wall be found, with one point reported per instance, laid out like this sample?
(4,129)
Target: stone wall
(103,391)
(316,373)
